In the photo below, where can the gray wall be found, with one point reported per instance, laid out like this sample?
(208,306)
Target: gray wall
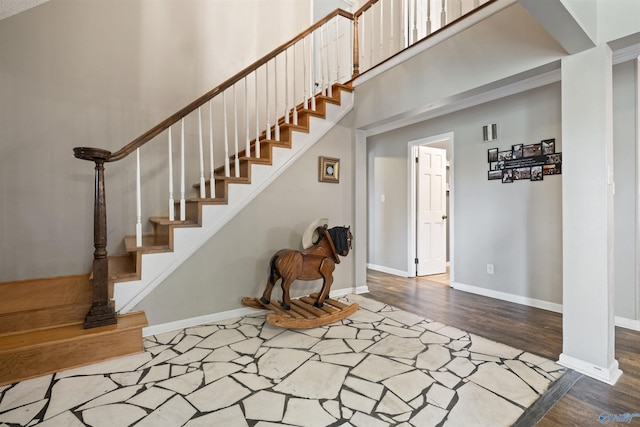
(625,157)
(100,73)
(234,263)
(516,227)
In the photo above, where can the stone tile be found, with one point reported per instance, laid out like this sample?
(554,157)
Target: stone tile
(434,326)
(461,367)
(258,320)
(193,355)
(244,360)
(463,353)
(341,332)
(264,405)
(156,373)
(430,416)
(228,417)
(367,334)
(120,414)
(399,331)
(314,380)
(253,381)
(187,343)
(24,392)
(269,331)
(126,378)
(484,358)
(226,392)
(457,345)
(249,346)
(447,379)
(332,407)
(404,317)
(393,405)
(366,388)
(160,358)
(434,338)
(307,413)
(363,420)
(365,303)
(492,348)
(417,402)
(121,364)
(151,398)
(479,407)
(222,354)
(66,419)
(375,368)
(451,332)
(221,338)
(359,345)
(270,424)
(68,393)
(402,417)
(331,346)
(279,362)
(346,413)
(386,418)
(184,384)
(251,368)
(249,331)
(393,346)
(440,396)
(24,414)
(345,359)
(118,395)
(365,317)
(166,337)
(292,339)
(409,362)
(390,322)
(435,357)
(228,322)
(356,401)
(157,349)
(216,370)
(409,384)
(504,383)
(316,332)
(202,331)
(532,358)
(550,366)
(175,412)
(530,376)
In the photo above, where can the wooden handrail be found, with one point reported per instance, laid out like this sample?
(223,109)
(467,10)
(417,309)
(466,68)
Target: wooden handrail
(174,118)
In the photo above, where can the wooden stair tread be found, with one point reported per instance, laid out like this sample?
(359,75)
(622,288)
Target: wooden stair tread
(150,243)
(164,220)
(41,338)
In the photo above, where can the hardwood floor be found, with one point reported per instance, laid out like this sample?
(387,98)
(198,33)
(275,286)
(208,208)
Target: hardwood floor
(530,329)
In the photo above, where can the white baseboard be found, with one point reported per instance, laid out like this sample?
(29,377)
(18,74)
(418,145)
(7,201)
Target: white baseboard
(531,302)
(608,375)
(388,270)
(224,315)
(623,322)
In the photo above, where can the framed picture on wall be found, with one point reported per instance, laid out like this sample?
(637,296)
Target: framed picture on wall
(548,146)
(536,173)
(532,150)
(507,176)
(517,151)
(505,155)
(328,169)
(495,174)
(492,155)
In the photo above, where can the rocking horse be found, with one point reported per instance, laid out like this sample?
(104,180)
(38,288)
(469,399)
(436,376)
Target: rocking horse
(315,262)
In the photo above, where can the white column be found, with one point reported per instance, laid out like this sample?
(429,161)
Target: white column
(587,215)
(360,226)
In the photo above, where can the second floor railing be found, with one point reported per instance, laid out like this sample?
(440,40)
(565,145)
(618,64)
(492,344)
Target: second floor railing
(207,139)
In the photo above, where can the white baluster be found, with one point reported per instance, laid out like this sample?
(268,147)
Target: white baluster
(212,180)
(227,167)
(257,147)
(275,96)
(247,148)
(266,85)
(322,51)
(235,127)
(183,208)
(295,108)
(337,50)
(404,25)
(203,189)
(428,17)
(304,74)
(363,41)
(443,14)
(172,203)
(392,47)
(286,86)
(372,41)
(312,92)
(138,202)
(381,32)
(415,19)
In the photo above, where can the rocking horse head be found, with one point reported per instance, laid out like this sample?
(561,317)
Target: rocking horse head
(341,237)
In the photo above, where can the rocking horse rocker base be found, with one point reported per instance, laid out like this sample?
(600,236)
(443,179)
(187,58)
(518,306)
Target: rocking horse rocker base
(303,314)
(315,262)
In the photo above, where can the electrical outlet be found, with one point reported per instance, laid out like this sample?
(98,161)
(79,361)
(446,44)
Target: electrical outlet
(489,268)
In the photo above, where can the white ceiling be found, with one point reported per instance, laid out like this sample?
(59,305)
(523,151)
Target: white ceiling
(11,7)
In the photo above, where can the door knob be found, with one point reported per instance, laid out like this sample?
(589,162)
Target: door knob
(444,217)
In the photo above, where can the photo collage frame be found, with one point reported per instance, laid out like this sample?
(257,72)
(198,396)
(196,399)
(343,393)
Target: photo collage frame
(531,162)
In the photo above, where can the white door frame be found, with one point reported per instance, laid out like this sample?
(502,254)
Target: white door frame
(411,229)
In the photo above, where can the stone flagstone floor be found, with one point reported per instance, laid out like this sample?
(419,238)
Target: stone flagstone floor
(379,367)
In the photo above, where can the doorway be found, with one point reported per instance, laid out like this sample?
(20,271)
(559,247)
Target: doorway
(430,209)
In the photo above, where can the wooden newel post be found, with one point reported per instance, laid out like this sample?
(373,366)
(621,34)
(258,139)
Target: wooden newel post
(102,313)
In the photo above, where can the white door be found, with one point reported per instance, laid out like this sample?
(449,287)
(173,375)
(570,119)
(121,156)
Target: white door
(431,238)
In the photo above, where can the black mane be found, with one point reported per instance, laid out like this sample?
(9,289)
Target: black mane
(340,237)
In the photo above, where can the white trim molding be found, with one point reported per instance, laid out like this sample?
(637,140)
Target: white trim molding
(623,322)
(518,299)
(388,270)
(608,375)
